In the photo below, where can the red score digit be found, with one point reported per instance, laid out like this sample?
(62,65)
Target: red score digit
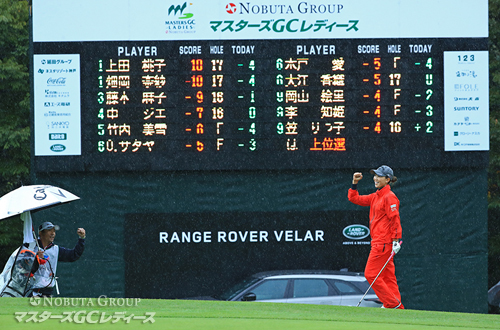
(196,65)
(197,81)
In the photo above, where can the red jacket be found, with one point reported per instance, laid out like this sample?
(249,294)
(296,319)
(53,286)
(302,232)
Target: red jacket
(385,224)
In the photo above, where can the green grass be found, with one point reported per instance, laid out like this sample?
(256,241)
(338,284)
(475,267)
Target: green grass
(180,314)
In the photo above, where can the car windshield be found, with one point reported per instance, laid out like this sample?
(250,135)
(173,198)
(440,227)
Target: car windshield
(362,286)
(236,289)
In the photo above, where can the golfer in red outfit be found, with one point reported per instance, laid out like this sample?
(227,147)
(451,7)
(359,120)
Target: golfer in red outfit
(385,231)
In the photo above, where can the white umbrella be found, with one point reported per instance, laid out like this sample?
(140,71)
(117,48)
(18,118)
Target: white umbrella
(32,198)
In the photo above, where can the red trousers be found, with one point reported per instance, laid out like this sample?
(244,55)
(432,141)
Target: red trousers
(386,285)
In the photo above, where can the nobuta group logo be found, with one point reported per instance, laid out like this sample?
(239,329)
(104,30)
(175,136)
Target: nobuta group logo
(303,7)
(231,8)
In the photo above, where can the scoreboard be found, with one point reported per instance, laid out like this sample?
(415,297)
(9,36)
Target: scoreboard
(220,102)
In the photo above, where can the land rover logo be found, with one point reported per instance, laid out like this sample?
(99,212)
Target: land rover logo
(57,147)
(356,232)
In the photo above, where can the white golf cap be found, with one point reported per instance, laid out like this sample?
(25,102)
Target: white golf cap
(45,225)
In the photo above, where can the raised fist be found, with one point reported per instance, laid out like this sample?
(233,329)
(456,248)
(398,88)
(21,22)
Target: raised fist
(356,177)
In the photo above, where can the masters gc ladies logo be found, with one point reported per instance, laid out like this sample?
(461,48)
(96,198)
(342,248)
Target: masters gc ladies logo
(356,232)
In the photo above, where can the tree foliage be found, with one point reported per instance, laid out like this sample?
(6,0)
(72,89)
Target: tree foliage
(494,166)
(14,89)
(14,112)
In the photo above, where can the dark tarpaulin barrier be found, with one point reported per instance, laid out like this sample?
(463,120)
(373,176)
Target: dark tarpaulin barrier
(442,265)
(206,253)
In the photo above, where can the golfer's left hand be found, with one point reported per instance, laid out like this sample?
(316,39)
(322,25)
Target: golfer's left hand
(81,232)
(396,246)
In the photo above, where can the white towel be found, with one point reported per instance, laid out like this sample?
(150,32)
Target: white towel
(28,227)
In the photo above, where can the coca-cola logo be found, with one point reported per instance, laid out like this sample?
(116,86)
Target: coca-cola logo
(61,81)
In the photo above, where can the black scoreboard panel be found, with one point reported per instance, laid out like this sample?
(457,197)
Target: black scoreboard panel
(261,104)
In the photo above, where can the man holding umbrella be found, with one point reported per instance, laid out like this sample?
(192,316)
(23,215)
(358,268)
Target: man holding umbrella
(22,201)
(49,254)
